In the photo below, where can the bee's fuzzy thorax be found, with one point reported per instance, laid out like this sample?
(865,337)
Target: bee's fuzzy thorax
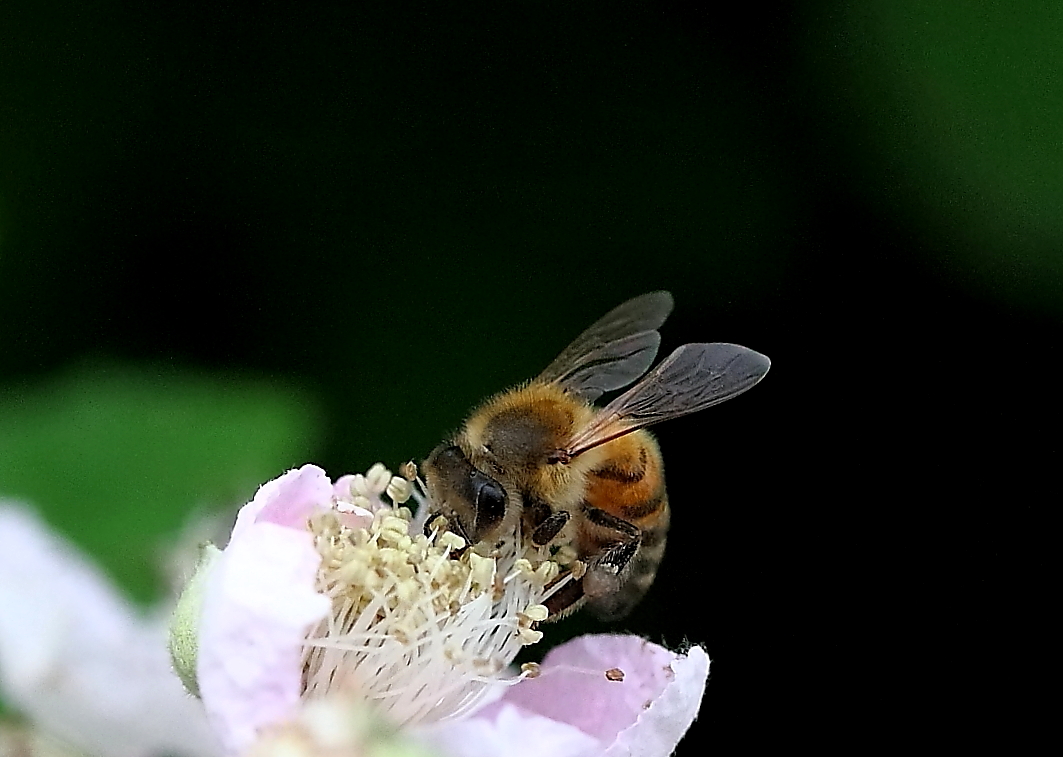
(518,429)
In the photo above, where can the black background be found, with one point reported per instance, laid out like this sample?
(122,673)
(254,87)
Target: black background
(404,211)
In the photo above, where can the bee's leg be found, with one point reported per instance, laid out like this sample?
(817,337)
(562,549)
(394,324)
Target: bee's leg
(541,523)
(566,599)
(620,542)
(545,532)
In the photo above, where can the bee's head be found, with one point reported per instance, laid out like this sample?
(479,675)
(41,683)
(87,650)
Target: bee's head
(473,502)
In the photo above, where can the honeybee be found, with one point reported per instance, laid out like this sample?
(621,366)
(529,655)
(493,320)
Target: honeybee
(543,459)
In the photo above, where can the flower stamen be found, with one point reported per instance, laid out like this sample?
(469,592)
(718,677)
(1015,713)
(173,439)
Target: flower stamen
(421,624)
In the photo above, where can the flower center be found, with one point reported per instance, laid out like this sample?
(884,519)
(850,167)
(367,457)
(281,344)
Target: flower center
(421,625)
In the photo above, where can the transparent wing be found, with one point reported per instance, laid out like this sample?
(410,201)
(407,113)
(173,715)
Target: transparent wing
(692,378)
(617,349)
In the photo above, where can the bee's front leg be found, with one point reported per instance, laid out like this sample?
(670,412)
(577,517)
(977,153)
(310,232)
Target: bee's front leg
(541,523)
(545,532)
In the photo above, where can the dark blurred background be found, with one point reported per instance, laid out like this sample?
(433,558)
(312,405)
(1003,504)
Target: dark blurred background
(234,238)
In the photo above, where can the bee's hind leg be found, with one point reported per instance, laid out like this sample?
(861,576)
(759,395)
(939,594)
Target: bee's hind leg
(619,540)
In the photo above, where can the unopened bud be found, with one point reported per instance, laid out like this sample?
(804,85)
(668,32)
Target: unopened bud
(184,626)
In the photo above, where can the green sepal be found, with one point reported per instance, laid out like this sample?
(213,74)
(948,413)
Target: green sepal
(184,626)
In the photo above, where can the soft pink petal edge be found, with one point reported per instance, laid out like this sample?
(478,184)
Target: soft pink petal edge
(574,688)
(287,500)
(259,602)
(659,729)
(552,713)
(644,715)
(508,731)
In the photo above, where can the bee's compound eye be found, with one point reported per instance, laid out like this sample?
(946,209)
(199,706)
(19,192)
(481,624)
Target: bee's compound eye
(490,497)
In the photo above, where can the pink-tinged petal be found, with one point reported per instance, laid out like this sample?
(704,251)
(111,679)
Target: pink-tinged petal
(355,517)
(79,661)
(287,500)
(646,713)
(659,729)
(508,731)
(573,687)
(258,605)
(342,488)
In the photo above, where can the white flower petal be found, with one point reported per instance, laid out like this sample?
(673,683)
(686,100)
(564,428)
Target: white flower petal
(79,661)
(258,606)
(646,713)
(662,725)
(509,731)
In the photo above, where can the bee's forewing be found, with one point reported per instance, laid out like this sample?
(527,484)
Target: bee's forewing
(692,378)
(616,349)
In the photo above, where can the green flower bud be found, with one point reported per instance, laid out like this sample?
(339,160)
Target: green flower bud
(184,627)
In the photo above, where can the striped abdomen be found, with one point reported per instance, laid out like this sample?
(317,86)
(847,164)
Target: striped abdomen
(629,484)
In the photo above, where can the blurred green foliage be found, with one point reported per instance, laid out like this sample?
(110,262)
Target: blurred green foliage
(118,458)
(952,113)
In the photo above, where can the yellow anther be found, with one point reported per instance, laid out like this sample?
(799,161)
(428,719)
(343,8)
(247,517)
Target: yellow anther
(394,523)
(482,570)
(528,636)
(565,555)
(538,613)
(378,478)
(362,501)
(399,489)
(547,572)
(524,567)
(452,540)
